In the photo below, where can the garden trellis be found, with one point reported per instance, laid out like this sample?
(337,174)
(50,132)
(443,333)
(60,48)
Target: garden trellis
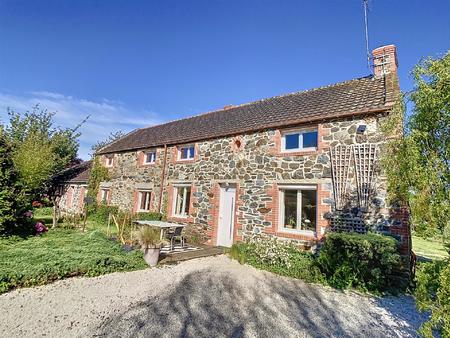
(363,158)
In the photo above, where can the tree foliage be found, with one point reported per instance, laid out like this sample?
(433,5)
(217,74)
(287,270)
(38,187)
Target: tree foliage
(39,148)
(13,202)
(418,164)
(113,136)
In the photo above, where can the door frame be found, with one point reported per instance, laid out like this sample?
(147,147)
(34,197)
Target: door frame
(234,206)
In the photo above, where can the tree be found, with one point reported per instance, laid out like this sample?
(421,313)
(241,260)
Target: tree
(13,202)
(39,148)
(113,136)
(418,164)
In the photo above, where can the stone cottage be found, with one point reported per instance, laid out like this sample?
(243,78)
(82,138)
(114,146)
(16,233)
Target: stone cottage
(70,188)
(282,166)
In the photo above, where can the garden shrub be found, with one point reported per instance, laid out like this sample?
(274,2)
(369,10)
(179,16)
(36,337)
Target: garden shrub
(149,216)
(13,200)
(433,294)
(101,213)
(363,261)
(43,212)
(278,257)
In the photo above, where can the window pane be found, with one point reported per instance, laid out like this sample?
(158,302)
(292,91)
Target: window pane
(291,141)
(145,200)
(310,139)
(179,201)
(150,157)
(188,200)
(309,209)
(184,153)
(290,209)
(191,152)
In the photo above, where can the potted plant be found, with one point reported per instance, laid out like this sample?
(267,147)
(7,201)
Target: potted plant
(151,242)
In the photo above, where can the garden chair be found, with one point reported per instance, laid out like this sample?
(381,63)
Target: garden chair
(174,236)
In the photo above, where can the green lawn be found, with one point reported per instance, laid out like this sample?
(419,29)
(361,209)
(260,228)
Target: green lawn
(429,248)
(59,254)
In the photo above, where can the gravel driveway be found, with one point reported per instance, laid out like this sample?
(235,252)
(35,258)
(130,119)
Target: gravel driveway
(209,297)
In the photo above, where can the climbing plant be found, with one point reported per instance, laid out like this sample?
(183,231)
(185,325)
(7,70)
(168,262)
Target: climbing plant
(98,174)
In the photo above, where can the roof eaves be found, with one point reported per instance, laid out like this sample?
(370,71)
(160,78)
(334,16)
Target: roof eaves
(306,120)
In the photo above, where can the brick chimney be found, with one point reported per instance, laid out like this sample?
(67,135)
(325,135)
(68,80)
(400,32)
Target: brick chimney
(384,60)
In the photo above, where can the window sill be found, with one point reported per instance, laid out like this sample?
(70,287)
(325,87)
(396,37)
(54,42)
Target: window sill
(185,161)
(298,152)
(187,219)
(147,164)
(297,232)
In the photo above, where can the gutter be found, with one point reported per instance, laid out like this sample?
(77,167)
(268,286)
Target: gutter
(163,174)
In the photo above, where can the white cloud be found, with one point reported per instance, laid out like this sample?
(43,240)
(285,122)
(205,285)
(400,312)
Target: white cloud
(105,115)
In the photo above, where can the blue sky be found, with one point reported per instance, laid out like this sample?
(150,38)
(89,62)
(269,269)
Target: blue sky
(129,64)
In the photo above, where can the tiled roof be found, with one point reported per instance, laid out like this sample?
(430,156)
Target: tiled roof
(358,96)
(76,174)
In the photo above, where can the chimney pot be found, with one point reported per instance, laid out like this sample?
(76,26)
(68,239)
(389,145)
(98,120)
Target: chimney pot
(384,60)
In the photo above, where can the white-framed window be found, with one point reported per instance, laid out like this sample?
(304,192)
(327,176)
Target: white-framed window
(298,140)
(144,198)
(104,197)
(181,200)
(298,208)
(186,152)
(150,157)
(109,160)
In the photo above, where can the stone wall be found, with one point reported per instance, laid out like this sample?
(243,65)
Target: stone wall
(254,164)
(73,198)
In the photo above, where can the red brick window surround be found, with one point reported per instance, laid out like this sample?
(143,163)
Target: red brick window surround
(181,200)
(147,157)
(143,200)
(108,161)
(186,153)
(104,195)
(299,141)
(298,209)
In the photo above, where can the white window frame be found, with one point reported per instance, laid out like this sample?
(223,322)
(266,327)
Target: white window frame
(300,133)
(146,153)
(140,194)
(104,197)
(281,219)
(179,148)
(175,197)
(107,159)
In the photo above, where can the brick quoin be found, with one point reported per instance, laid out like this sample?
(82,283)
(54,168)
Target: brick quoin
(213,222)
(402,228)
(69,197)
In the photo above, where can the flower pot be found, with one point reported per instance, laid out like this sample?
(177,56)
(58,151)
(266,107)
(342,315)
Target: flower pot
(151,255)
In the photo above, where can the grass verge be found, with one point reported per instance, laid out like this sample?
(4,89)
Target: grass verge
(59,254)
(429,249)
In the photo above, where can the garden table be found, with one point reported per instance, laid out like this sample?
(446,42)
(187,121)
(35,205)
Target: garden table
(161,225)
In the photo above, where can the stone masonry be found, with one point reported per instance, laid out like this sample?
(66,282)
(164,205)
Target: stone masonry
(254,164)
